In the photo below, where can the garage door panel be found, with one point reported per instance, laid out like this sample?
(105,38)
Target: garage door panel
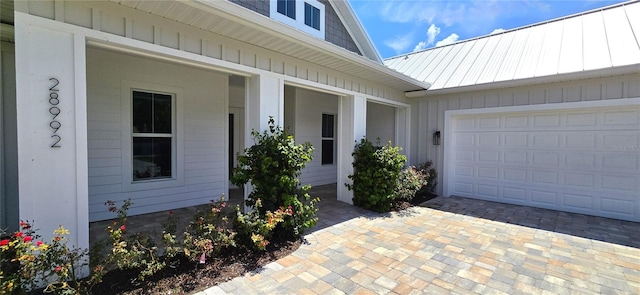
(581,119)
(624,117)
(582,203)
(544,197)
(615,206)
(514,193)
(583,180)
(546,120)
(584,160)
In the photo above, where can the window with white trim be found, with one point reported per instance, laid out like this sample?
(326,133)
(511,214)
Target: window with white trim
(328,139)
(152,133)
(305,15)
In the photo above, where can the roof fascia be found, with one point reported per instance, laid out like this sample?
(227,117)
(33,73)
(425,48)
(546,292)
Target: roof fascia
(592,74)
(356,30)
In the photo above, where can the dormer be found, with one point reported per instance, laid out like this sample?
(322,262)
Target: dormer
(307,15)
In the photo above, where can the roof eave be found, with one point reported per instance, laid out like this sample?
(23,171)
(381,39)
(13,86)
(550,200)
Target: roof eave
(257,21)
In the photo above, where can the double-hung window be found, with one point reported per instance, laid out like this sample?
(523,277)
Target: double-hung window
(328,139)
(152,135)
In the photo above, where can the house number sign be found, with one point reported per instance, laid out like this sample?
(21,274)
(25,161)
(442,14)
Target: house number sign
(54,110)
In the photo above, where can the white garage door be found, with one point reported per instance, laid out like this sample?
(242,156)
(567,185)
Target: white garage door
(580,160)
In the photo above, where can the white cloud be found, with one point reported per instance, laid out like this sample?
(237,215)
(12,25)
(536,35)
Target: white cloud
(453,38)
(432,33)
(400,43)
(496,31)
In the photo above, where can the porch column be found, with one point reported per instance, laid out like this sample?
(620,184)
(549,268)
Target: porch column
(51,120)
(352,126)
(264,98)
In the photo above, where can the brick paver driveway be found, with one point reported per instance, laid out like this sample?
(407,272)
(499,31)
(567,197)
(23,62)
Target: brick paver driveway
(454,245)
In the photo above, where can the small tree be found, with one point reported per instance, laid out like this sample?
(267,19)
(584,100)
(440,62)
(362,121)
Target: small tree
(273,165)
(376,174)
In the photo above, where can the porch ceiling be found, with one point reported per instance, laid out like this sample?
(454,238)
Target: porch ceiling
(233,21)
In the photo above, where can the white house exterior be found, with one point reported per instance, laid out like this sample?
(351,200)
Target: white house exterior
(546,115)
(151,100)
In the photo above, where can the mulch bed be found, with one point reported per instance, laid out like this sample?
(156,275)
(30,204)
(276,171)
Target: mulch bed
(188,277)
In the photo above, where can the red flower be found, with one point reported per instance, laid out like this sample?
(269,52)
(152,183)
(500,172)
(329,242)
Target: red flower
(170,212)
(25,225)
(58,268)
(123,228)
(39,243)
(19,234)
(4,242)
(27,239)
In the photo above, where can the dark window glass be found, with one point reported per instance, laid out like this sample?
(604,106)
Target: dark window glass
(152,138)
(311,16)
(327,151)
(151,112)
(328,140)
(287,7)
(151,157)
(327,125)
(142,112)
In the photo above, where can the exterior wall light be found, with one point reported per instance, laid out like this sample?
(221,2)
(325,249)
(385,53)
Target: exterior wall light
(436,138)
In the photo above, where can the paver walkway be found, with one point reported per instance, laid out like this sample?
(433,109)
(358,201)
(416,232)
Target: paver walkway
(454,245)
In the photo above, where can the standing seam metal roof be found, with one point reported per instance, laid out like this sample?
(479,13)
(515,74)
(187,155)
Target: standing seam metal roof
(599,39)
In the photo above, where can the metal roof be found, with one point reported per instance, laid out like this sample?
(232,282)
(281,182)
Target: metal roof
(600,39)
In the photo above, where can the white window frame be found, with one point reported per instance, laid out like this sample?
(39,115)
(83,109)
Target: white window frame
(335,129)
(177,150)
(298,23)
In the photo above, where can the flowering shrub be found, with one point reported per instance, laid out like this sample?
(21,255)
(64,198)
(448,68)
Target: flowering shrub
(410,181)
(208,234)
(26,262)
(130,251)
(431,176)
(254,231)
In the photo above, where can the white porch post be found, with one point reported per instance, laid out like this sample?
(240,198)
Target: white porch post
(352,126)
(264,98)
(50,80)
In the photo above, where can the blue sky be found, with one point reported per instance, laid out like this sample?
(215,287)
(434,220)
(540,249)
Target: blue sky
(401,26)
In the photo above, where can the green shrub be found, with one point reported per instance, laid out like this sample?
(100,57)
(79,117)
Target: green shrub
(376,174)
(273,165)
(254,232)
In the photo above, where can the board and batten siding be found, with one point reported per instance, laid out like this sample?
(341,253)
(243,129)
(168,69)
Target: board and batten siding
(428,113)
(201,133)
(308,107)
(127,22)
(381,124)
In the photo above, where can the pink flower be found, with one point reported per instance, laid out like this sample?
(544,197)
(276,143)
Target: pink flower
(4,242)
(27,239)
(123,228)
(39,243)
(19,234)
(58,268)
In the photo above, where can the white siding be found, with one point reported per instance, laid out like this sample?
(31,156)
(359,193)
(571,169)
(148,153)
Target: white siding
(202,133)
(309,107)
(429,112)
(132,23)
(381,123)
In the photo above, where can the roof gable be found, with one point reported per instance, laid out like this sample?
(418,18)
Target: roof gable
(600,39)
